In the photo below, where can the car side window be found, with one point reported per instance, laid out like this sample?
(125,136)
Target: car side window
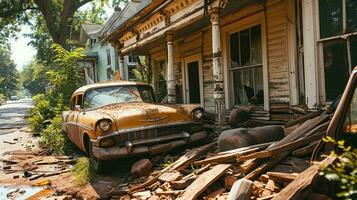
(79,100)
(73,102)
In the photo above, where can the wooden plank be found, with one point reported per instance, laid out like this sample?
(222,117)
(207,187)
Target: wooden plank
(231,155)
(282,177)
(204,181)
(304,180)
(282,148)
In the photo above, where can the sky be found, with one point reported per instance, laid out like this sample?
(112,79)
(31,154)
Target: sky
(22,53)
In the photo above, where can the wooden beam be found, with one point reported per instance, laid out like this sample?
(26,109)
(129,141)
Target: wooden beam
(204,181)
(304,180)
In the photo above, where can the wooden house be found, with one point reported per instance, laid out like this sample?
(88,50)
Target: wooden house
(223,54)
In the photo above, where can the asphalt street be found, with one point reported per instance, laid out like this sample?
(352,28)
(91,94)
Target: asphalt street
(14,133)
(12,114)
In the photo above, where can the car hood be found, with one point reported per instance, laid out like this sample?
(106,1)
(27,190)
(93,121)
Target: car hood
(131,115)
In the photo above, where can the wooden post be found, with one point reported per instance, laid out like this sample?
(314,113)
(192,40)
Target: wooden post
(310,54)
(121,67)
(171,92)
(218,87)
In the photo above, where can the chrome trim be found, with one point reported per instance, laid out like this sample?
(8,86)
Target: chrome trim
(114,152)
(148,128)
(182,135)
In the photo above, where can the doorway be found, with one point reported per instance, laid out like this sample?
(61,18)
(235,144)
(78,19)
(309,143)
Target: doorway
(194,81)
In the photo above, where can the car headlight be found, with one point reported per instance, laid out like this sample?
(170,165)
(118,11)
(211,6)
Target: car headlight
(197,114)
(105,125)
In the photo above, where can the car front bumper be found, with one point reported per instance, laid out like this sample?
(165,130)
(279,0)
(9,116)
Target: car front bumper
(166,144)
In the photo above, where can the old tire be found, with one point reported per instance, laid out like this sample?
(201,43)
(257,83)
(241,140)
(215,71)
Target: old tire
(98,165)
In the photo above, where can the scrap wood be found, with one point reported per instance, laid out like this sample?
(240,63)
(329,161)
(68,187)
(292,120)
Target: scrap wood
(303,118)
(282,177)
(57,162)
(9,161)
(8,142)
(41,194)
(231,155)
(308,128)
(304,179)
(36,177)
(188,158)
(282,148)
(308,149)
(215,194)
(204,181)
(57,173)
(267,197)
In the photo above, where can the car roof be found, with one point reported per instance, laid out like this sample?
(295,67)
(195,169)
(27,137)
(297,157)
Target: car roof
(107,84)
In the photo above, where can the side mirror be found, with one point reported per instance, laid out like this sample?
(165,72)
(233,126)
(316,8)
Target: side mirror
(77,107)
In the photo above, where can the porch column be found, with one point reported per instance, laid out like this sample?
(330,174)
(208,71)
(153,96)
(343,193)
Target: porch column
(121,67)
(171,92)
(218,87)
(310,54)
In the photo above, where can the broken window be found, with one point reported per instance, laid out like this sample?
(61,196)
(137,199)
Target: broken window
(246,66)
(338,27)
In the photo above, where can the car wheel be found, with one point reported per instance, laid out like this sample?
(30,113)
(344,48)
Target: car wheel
(98,165)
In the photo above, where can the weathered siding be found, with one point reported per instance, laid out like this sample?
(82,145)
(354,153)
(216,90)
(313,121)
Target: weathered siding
(277,52)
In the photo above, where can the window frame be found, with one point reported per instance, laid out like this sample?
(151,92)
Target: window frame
(320,48)
(241,24)
(240,67)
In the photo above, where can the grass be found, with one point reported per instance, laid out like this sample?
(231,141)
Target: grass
(82,171)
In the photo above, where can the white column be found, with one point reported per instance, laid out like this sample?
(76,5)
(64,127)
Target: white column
(218,87)
(121,67)
(171,91)
(310,53)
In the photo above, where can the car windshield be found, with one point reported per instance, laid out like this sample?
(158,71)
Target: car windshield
(100,97)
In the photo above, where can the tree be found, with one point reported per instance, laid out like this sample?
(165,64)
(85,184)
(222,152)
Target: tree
(33,77)
(58,16)
(8,73)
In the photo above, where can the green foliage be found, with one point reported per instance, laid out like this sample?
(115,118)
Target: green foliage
(143,70)
(82,171)
(53,138)
(8,73)
(67,76)
(33,77)
(344,171)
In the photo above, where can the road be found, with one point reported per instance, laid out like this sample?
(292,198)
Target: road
(14,134)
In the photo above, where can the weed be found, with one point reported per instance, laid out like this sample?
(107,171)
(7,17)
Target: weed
(82,171)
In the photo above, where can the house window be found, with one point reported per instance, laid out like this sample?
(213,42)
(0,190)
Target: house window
(246,66)
(338,29)
(109,60)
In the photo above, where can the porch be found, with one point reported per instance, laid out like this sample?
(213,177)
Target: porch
(222,55)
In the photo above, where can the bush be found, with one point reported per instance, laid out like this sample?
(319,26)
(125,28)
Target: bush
(40,112)
(53,138)
(344,170)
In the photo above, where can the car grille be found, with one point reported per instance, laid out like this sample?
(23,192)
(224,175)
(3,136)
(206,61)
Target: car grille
(138,135)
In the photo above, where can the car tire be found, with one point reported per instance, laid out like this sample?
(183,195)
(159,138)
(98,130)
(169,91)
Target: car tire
(98,165)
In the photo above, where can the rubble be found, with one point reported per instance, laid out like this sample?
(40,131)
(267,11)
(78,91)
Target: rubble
(277,169)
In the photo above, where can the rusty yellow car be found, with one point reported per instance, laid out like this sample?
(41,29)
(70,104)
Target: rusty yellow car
(121,119)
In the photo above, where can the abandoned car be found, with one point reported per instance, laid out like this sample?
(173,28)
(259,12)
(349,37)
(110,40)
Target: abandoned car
(121,119)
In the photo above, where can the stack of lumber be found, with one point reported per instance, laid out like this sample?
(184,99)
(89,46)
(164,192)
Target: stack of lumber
(276,170)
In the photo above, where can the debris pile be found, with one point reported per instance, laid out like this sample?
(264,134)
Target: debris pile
(33,168)
(272,170)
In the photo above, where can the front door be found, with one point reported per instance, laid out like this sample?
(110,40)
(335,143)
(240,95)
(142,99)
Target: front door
(193,75)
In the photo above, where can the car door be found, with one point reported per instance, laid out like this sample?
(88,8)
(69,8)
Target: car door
(78,110)
(71,119)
